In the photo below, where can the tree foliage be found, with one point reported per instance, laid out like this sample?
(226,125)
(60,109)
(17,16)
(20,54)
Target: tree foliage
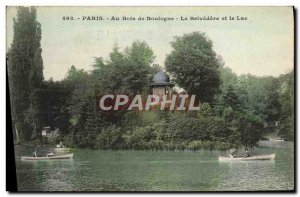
(194,65)
(25,71)
(128,72)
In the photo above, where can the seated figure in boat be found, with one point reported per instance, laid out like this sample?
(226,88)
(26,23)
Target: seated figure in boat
(60,145)
(247,154)
(34,154)
(50,154)
(232,153)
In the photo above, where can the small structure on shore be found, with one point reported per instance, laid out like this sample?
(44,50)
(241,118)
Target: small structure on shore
(46,132)
(161,84)
(52,136)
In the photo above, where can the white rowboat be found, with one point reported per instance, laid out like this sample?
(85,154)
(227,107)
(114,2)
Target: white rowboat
(68,156)
(257,157)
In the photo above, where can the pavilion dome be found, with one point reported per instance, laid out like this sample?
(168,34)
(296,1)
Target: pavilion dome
(161,77)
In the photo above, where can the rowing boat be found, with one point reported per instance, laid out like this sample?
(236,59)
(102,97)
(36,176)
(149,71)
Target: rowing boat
(68,156)
(257,157)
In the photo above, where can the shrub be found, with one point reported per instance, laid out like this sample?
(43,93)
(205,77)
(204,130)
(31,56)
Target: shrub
(110,137)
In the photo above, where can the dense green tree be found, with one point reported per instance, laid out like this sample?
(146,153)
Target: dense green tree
(194,65)
(75,76)
(139,57)
(25,70)
(205,110)
(81,106)
(286,99)
(107,76)
(272,104)
(250,128)
(80,85)
(128,72)
(231,99)
(228,114)
(228,78)
(110,137)
(52,100)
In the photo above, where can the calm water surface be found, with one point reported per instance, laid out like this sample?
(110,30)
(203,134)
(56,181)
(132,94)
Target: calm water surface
(99,170)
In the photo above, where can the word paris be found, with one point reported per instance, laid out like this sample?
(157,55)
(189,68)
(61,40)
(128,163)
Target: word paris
(163,102)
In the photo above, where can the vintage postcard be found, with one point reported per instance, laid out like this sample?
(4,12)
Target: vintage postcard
(151,99)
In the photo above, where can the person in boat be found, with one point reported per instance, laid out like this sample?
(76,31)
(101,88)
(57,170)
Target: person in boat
(60,145)
(34,154)
(232,153)
(50,154)
(247,154)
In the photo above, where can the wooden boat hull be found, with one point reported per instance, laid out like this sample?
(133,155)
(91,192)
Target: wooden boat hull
(258,157)
(68,156)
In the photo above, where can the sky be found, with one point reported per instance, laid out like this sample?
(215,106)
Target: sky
(261,45)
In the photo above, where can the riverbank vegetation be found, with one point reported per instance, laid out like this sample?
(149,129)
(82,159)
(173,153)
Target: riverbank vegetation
(235,111)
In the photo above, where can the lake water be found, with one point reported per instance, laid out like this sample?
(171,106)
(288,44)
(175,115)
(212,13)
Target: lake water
(99,170)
